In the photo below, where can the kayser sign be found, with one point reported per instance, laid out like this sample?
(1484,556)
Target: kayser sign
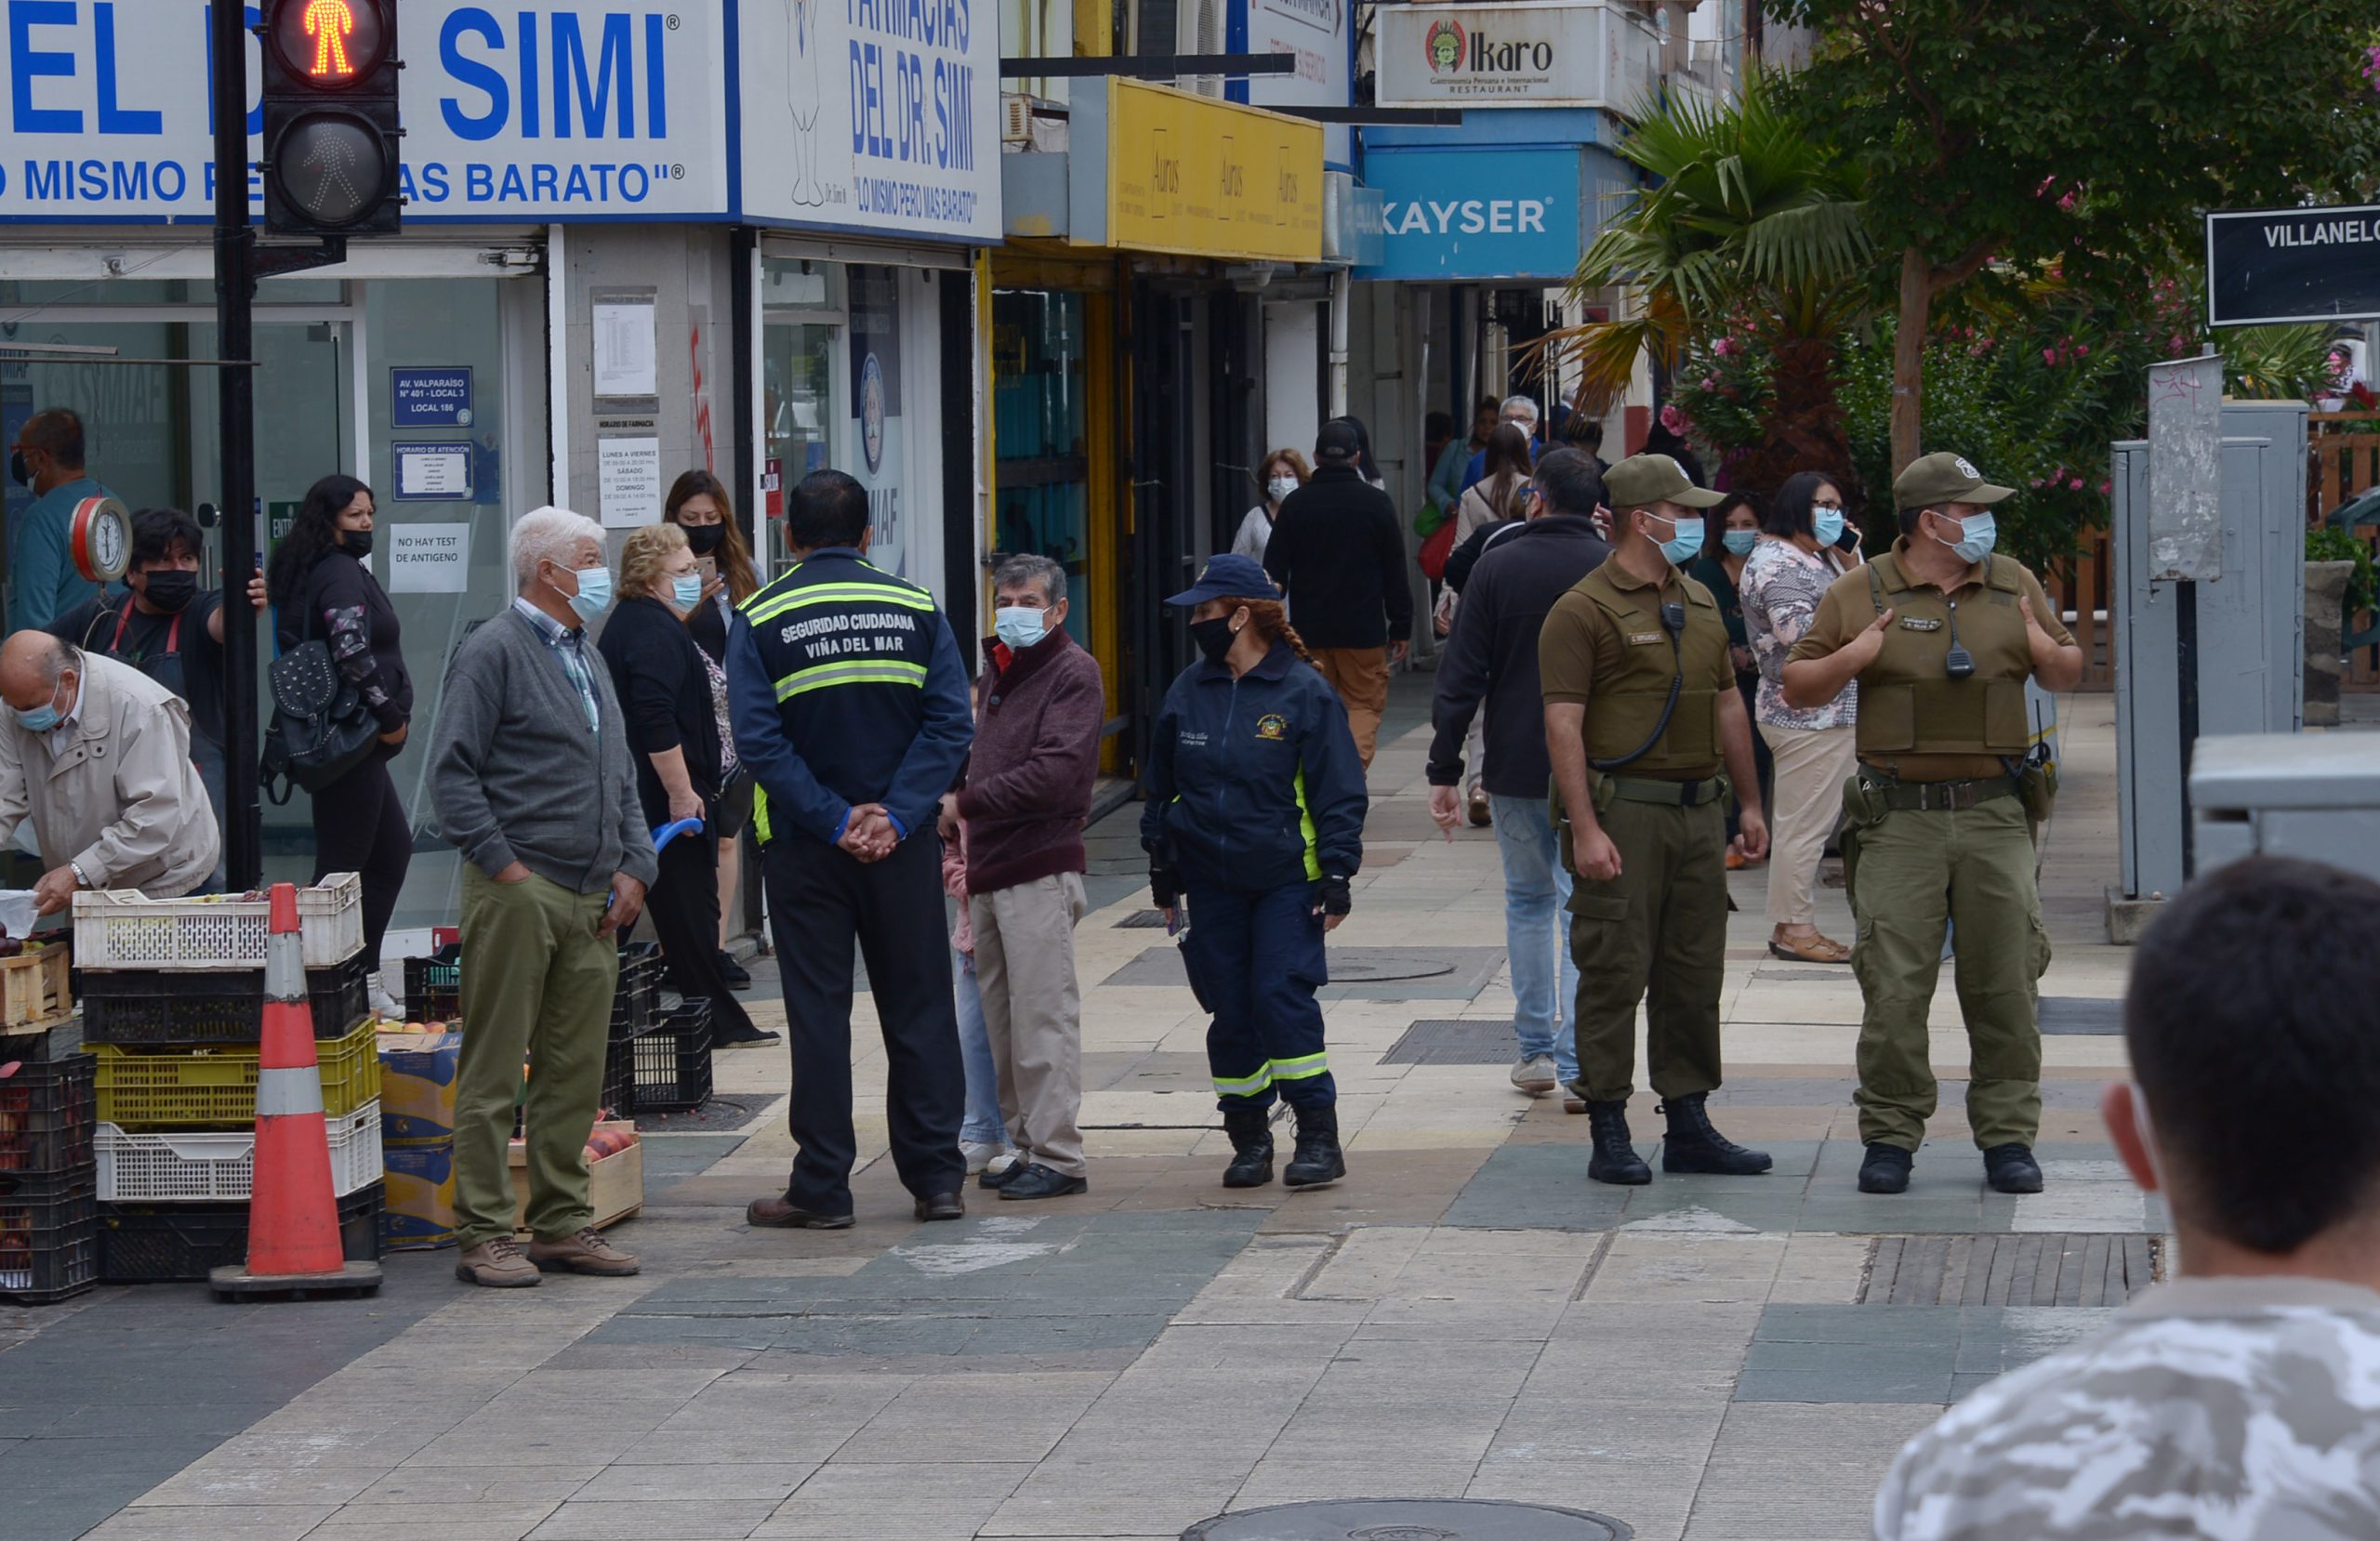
(1538,55)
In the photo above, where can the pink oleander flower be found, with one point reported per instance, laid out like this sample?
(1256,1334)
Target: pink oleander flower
(2075,485)
(1724,346)
(2083,350)
(1710,382)
(2106,487)
(2037,483)
(2049,356)
(1674,419)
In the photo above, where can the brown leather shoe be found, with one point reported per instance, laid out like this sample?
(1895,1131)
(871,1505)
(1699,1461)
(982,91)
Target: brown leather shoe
(781,1212)
(587,1252)
(495,1264)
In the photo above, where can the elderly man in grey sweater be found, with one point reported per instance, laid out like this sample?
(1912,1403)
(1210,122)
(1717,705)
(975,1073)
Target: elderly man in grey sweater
(530,772)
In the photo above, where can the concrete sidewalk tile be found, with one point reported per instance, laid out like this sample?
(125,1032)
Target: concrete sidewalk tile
(660,1520)
(249,1486)
(1801,1472)
(733,1481)
(1366,1263)
(850,1502)
(1116,1497)
(945,1417)
(479,1484)
(1821,1269)
(1282,1480)
(209,1524)
(510,1519)
(1656,1268)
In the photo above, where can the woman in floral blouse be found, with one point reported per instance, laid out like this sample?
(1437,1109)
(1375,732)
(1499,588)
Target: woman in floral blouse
(1789,570)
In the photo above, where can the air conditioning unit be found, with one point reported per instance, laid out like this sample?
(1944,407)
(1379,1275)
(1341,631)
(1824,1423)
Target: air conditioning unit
(1017,117)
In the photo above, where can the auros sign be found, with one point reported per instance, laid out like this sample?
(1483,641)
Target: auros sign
(531,109)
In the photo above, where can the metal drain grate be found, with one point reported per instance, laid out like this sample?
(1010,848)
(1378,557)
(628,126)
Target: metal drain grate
(1488,1041)
(1409,1520)
(1999,1269)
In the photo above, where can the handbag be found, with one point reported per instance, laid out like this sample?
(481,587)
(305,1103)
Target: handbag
(321,728)
(1434,551)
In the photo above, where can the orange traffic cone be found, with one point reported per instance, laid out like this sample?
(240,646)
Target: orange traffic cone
(293,1217)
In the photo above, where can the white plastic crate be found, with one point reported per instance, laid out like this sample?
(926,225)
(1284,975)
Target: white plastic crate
(198,1169)
(121,930)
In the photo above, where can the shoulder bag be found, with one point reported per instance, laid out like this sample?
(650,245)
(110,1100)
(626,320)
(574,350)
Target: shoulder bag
(321,728)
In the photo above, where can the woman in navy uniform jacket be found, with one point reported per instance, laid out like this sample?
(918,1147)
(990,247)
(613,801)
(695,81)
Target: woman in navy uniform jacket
(1255,814)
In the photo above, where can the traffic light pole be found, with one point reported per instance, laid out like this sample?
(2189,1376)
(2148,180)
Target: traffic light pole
(236,288)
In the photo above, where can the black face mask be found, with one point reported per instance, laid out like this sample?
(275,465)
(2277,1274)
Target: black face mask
(356,543)
(704,539)
(19,471)
(1214,637)
(171,590)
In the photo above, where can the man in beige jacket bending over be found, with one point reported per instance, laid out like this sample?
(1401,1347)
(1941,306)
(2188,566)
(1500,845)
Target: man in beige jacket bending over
(97,753)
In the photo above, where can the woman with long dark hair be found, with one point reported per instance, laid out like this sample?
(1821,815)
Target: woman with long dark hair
(698,504)
(1492,499)
(321,589)
(1255,813)
(1730,528)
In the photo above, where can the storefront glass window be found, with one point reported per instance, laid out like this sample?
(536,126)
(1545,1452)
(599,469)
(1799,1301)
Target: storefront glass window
(802,391)
(1042,470)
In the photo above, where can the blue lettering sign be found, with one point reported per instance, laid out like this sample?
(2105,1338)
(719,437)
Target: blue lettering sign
(1487,213)
(114,119)
(32,63)
(430,397)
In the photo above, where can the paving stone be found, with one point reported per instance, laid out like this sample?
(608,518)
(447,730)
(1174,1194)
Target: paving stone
(1789,1471)
(664,1520)
(727,1481)
(211,1523)
(905,1502)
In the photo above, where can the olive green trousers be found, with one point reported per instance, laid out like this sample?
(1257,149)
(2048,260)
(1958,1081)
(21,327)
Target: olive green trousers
(1656,933)
(1912,873)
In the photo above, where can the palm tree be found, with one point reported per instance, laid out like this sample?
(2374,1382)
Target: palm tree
(1745,215)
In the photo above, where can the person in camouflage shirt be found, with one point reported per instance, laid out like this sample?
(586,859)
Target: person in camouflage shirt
(2241,1401)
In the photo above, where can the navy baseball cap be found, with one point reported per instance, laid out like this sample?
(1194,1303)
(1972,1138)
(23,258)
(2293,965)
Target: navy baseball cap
(1229,576)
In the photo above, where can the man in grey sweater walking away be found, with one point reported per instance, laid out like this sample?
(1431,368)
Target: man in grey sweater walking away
(530,772)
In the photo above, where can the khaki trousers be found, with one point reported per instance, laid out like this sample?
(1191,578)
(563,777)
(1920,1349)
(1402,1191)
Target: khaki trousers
(1361,676)
(1025,969)
(538,982)
(1807,801)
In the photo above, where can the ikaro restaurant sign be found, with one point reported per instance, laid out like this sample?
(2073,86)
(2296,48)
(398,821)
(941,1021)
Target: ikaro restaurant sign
(1538,55)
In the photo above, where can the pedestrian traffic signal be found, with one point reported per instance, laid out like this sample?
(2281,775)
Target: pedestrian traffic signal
(331,121)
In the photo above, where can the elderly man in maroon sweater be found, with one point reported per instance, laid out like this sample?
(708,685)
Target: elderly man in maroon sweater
(1024,799)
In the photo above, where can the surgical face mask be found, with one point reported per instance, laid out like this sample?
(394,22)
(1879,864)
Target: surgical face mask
(1740,541)
(356,543)
(1982,532)
(594,595)
(1214,637)
(170,589)
(704,539)
(1827,524)
(1685,540)
(41,719)
(1281,487)
(19,471)
(687,589)
(1020,625)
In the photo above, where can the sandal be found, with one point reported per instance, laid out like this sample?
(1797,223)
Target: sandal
(1809,949)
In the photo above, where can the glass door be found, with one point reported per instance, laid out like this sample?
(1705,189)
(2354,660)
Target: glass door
(802,394)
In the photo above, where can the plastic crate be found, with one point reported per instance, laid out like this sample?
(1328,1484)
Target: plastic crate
(669,1066)
(148,1244)
(643,973)
(46,1045)
(433,989)
(148,1007)
(49,1249)
(123,929)
(47,1113)
(190,1167)
(215,1087)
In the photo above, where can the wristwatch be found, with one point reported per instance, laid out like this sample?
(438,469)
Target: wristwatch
(80,881)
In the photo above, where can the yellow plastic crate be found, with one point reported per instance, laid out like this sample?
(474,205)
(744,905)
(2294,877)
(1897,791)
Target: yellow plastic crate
(213,1087)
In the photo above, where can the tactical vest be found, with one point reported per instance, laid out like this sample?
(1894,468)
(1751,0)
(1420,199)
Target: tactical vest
(1624,706)
(1909,703)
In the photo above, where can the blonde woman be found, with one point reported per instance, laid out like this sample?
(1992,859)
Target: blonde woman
(675,737)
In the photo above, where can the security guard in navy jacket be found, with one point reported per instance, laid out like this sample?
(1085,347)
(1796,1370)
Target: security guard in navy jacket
(850,706)
(1255,810)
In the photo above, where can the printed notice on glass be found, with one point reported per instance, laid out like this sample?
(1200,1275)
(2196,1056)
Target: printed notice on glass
(433,473)
(627,474)
(429,558)
(627,360)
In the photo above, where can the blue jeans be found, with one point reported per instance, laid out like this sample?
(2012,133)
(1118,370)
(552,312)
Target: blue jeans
(1536,932)
(983,1126)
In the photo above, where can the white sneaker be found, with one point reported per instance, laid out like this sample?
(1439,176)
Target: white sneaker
(384,1006)
(1534,1073)
(981,1154)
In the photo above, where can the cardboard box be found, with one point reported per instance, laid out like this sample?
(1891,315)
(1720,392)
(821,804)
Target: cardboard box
(417,1073)
(615,1185)
(419,1192)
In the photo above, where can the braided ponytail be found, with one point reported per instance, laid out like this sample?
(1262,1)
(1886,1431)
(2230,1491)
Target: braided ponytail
(1270,619)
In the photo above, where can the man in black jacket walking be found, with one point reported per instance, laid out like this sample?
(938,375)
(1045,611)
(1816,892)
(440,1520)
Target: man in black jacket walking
(1338,554)
(1492,656)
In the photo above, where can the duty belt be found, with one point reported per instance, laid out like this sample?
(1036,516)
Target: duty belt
(1643,789)
(1941,796)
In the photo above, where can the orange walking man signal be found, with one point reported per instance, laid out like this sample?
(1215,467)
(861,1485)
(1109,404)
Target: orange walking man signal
(328,22)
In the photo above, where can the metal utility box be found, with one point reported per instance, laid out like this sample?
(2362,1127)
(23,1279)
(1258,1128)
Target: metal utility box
(2221,655)
(2311,795)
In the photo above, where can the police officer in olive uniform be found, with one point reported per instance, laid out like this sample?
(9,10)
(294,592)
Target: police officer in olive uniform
(1641,713)
(1942,636)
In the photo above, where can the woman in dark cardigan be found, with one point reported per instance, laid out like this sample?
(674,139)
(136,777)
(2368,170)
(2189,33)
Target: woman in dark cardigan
(322,589)
(674,731)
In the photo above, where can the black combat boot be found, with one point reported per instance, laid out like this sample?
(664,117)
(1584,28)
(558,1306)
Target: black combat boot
(2011,1169)
(1251,1143)
(1885,1170)
(1316,1159)
(1692,1145)
(1615,1160)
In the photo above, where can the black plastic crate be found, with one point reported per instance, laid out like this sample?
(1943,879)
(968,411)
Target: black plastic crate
(669,1065)
(434,986)
(636,1000)
(47,1113)
(148,1244)
(50,1046)
(49,1249)
(211,1007)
